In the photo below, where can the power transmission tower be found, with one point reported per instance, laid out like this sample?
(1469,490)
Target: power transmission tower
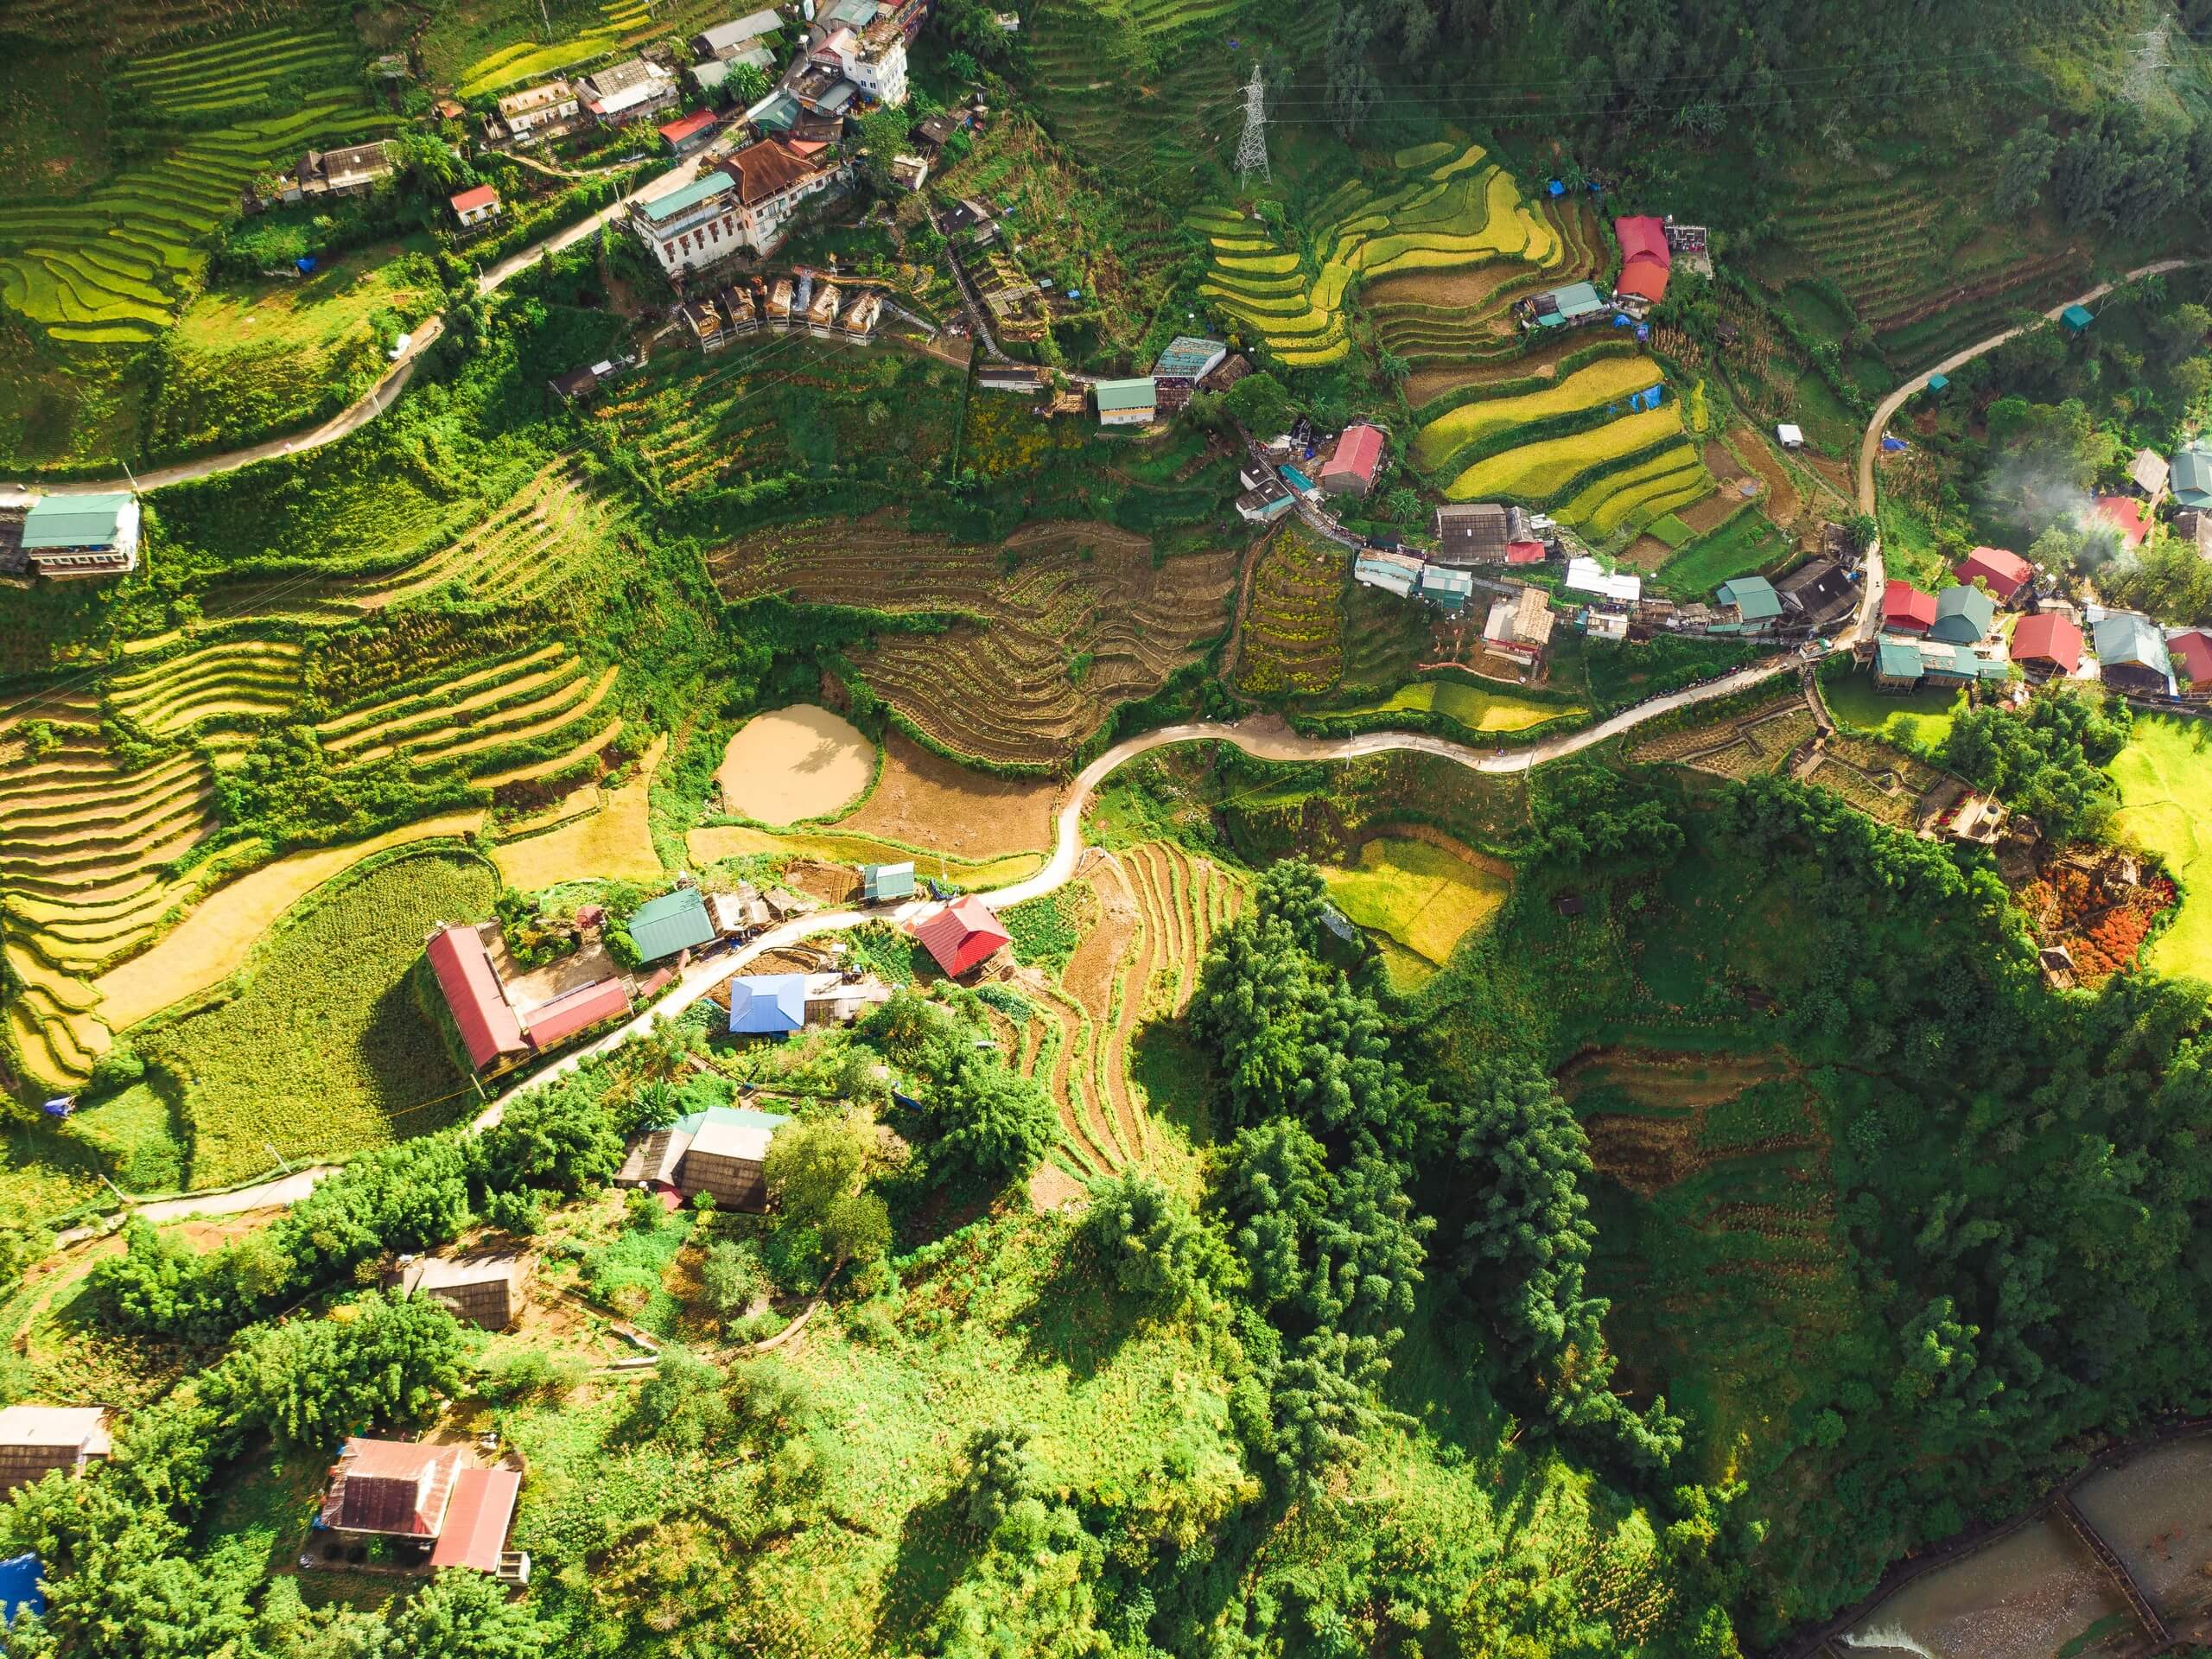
(1252,146)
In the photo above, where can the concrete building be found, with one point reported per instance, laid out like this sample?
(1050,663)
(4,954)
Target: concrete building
(534,115)
(476,208)
(66,536)
(627,92)
(744,205)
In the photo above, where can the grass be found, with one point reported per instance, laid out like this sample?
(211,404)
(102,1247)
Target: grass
(1476,708)
(1918,719)
(324,1049)
(1423,897)
(1746,543)
(2165,789)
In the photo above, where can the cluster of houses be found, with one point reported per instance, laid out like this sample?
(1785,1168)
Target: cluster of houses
(802,300)
(67,537)
(1649,247)
(1348,464)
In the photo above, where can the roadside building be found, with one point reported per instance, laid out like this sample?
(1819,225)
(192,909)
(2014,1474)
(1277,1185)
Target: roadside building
(721,1150)
(549,1024)
(66,536)
(726,42)
(478,1002)
(1521,628)
(1963,616)
(1450,591)
(767,1005)
(2189,651)
(2005,572)
(476,208)
(1266,501)
(1569,307)
(37,1440)
(738,912)
(882,884)
(1586,575)
(1187,360)
(535,114)
(2147,473)
(2047,644)
(626,91)
(1393,573)
(964,935)
(1816,592)
(483,1287)
(690,132)
(2125,514)
(873,59)
(2191,477)
(2132,654)
(1907,609)
(2075,319)
(1478,532)
(1126,402)
(1896,664)
(1753,605)
(744,205)
(1646,260)
(1351,465)
(674,922)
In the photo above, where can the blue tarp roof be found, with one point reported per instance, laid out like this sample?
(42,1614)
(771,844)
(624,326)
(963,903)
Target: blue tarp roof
(2076,316)
(19,1588)
(1938,382)
(767,1005)
(1296,480)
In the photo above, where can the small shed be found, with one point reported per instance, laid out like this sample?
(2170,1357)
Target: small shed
(767,1005)
(964,934)
(881,883)
(675,921)
(688,132)
(1939,383)
(483,1288)
(1126,402)
(2147,470)
(477,1523)
(476,206)
(1791,435)
(2190,476)
(2075,319)
(35,1440)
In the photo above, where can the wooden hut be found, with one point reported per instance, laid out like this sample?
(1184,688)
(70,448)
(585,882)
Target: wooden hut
(36,1438)
(483,1288)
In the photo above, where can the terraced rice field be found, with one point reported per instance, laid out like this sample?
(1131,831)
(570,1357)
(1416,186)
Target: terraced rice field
(1060,624)
(110,267)
(1442,319)
(1542,473)
(510,66)
(1760,742)
(1292,641)
(547,539)
(544,703)
(1424,895)
(1157,909)
(222,683)
(1451,440)
(239,72)
(1449,215)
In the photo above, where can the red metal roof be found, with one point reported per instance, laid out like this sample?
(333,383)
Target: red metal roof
(2192,654)
(1358,452)
(690,127)
(2048,638)
(2125,512)
(567,1015)
(488,1027)
(805,146)
(962,934)
(2005,572)
(1524,552)
(1905,606)
(1646,258)
(476,1524)
(482,196)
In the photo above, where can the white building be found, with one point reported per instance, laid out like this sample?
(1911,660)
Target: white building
(536,113)
(97,535)
(744,205)
(875,62)
(473,208)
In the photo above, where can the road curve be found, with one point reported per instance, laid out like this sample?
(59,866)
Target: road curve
(360,413)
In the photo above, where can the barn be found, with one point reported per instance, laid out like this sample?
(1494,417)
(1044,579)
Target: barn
(489,1030)
(964,933)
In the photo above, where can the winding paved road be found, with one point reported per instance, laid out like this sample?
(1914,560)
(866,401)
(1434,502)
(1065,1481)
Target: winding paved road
(1265,737)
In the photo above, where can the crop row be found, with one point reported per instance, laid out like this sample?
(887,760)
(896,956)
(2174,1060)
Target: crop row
(1609,380)
(1539,472)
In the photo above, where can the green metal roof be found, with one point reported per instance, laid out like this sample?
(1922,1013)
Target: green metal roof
(1959,662)
(2076,316)
(1898,659)
(2191,477)
(887,881)
(1116,395)
(779,114)
(1963,616)
(2125,638)
(737,1117)
(1753,596)
(75,520)
(675,921)
(705,187)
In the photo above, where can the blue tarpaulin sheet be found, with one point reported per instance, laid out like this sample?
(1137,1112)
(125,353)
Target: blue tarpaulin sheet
(1556,188)
(1892,445)
(19,1588)
(306,264)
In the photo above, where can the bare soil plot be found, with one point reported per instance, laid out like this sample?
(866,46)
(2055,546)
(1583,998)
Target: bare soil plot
(925,800)
(794,764)
(1781,501)
(612,841)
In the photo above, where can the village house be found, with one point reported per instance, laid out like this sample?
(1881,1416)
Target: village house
(1816,593)
(1646,261)
(910,172)
(1187,360)
(1450,591)
(354,171)
(537,113)
(1521,628)
(2047,644)
(548,1025)
(781,1005)
(434,1498)
(675,922)
(1907,609)
(874,60)
(1570,307)
(2132,654)
(476,208)
(1943,664)
(2189,651)
(1351,467)
(822,89)
(1126,402)
(2194,525)
(1393,573)
(489,1029)
(742,206)
(482,1287)
(933,132)
(626,91)
(1963,616)
(733,40)
(690,132)
(964,935)
(738,912)
(2191,477)
(1586,575)
(1484,532)
(35,1439)
(1897,664)
(822,311)
(1266,501)
(2147,475)
(66,536)
(2005,573)
(859,319)
(722,1150)
(2126,515)
(581,385)
(1752,605)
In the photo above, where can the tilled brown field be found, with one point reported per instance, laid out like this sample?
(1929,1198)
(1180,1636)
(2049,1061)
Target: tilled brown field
(1061,623)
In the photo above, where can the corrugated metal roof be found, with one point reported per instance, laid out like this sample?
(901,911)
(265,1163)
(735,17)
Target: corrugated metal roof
(966,931)
(573,1011)
(887,881)
(675,921)
(480,1011)
(1189,356)
(483,1508)
(1120,396)
(1963,616)
(1898,659)
(767,1005)
(1753,597)
(59,521)
(2126,637)
(706,188)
